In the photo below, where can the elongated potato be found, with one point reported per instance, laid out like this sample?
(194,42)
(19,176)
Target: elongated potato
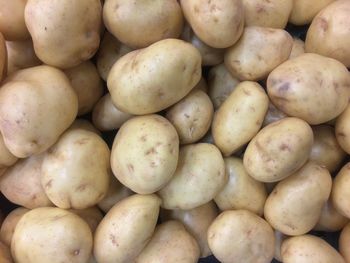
(342,129)
(5,253)
(6,157)
(344,240)
(297,49)
(340,192)
(3,58)
(273,114)
(330,220)
(92,216)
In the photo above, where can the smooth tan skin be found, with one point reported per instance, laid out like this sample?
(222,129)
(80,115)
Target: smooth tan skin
(196,221)
(126,229)
(170,243)
(304,11)
(240,117)
(344,240)
(272,115)
(87,84)
(9,225)
(279,238)
(342,130)
(3,58)
(6,157)
(51,235)
(92,216)
(311,87)
(241,190)
(36,106)
(75,171)
(298,48)
(21,183)
(5,254)
(241,236)
(199,176)
(340,192)
(174,68)
(218,23)
(145,153)
(295,204)
(309,249)
(64,33)
(191,116)
(258,52)
(85,125)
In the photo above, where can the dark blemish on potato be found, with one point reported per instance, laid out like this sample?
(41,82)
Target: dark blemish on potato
(76,252)
(184,67)
(55,218)
(81,141)
(252,108)
(285,147)
(114,240)
(144,138)
(81,188)
(130,167)
(34,197)
(116,7)
(186,115)
(216,20)
(260,9)
(49,184)
(236,61)
(323,24)
(45,28)
(34,142)
(284,87)
(153,164)
(258,123)
(341,134)
(151,151)
(247,92)
(160,94)
(290,226)
(249,232)
(196,9)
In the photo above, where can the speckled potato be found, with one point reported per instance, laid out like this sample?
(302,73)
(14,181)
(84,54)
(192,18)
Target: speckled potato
(5,253)
(272,115)
(3,58)
(258,52)
(36,106)
(298,48)
(50,234)
(342,129)
(344,240)
(199,176)
(170,243)
(341,192)
(241,190)
(126,229)
(92,216)
(240,117)
(311,87)
(279,238)
(295,204)
(152,79)
(65,33)
(75,171)
(304,11)
(330,220)
(6,157)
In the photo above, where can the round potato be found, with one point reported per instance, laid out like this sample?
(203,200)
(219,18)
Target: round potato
(240,117)
(342,130)
(330,220)
(92,216)
(311,87)
(279,238)
(152,79)
(344,240)
(297,49)
(85,125)
(65,33)
(258,52)
(296,203)
(340,191)
(6,157)
(50,234)
(241,190)
(5,254)
(170,243)
(126,229)
(3,57)
(272,115)
(199,176)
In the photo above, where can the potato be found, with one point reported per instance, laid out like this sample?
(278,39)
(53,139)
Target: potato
(218,23)
(6,157)
(36,106)
(50,234)
(279,238)
(342,130)
(141,23)
(87,84)
(196,221)
(202,85)
(75,171)
(344,240)
(272,13)
(65,33)
(298,48)
(199,176)
(191,116)
(311,87)
(106,117)
(92,216)
(295,204)
(240,117)
(326,150)
(241,236)
(85,125)
(5,254)
(170,243)
(3,57)
(152,79)
(126,229)
(340,192)
(258,52)
(309,249)
(21,183)
(272,115)
(241,190)
(330,220)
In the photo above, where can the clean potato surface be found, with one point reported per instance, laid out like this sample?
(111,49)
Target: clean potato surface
(6,157)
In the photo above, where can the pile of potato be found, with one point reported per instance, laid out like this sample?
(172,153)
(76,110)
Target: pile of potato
(231,136)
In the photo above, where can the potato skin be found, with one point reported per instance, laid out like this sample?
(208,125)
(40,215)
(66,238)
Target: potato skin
(152,79)
(344,240)
(273,114)
(3,58)
(279,238)
(297,49)
(330,220)
(342,129)
(92,216)
(340,192)
(5,254)
(6,157)
(304,11)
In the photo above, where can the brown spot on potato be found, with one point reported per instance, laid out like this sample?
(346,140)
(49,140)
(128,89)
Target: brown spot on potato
(81,141)
(81,188)
(49,184)
(323,23)
(252,108)
(260,9)
(186,115)
(151,151)
(341,134)
(153,164)
(113,240)
(144,138)
(284,88)
(184,68)
(247,92)
(130,167)
(285,147)
(216,20)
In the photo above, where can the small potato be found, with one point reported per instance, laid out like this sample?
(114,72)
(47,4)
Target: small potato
(3,57)
(199,176)
(6,157)
(85,125)
(152,79)
(241,236)
(297,49)
(342,129)
(311,87)
(170,243)
(50,234)
(309,249)
(65,33)
(279,238)
(344,240)
(218,23)
(141,23)
(191,116)
(5,254)
(330,220)
(126,229)
(340,192)
(87,84)
(92,216)
(241,190)
(240,117)
(258,52)
(145,153)
(272,115)
(295,204)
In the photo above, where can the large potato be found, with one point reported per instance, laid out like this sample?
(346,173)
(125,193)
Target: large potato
(341,191)
(3,57)
(126,229)
(5,254)
(64,32)
(273,114)
(240,117)
(36,106)
(92,216)
(241,236)
(344,240)
(258,52)
(145,153)
(152,79)
(199,176)
(342,129)
(295,204)
(6,157)
(50,234)
(297,49)
(330,220)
